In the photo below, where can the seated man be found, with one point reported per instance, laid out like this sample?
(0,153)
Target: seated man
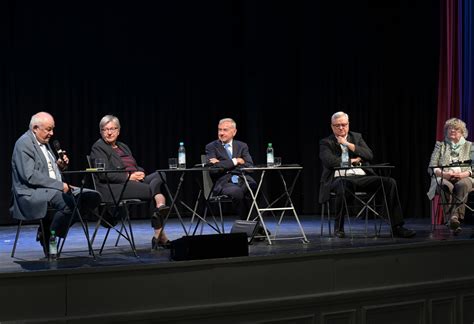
(330,150)
(230,155)
(37,181)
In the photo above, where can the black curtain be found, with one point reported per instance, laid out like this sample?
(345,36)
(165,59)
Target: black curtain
(171,69)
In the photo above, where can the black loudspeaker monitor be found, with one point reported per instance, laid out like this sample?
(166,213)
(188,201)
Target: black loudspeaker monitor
(209,246)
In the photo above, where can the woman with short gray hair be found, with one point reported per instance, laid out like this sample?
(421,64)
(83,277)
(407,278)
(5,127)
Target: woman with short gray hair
(454,183)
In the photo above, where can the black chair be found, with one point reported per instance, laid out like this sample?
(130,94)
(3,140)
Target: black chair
(211,199)
(364,202)
(18,230)
(437,208)
(122,215)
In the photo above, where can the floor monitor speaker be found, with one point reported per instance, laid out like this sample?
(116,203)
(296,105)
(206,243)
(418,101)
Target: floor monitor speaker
(209,246)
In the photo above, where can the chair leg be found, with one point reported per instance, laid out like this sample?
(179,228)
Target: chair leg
(325,208)
(120,234)
(18,229)
(132,239)
(105,240)
(222,217)
(322,219)
(44,239)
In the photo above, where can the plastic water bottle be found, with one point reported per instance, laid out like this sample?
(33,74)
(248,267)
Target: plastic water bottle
(345,157)
(53,247)
(181,156)
(270,156)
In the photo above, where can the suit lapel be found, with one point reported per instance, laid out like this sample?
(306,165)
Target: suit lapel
(337,147)
(38,150)
(222,151)
(235,149)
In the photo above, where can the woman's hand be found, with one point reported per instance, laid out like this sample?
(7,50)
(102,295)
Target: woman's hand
(460,175)
(137,176)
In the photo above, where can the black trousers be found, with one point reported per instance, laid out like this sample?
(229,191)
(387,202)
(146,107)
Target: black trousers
(64,205)
(241,199)
(145,190)
(367,183)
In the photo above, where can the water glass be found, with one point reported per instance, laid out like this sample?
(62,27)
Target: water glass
(277,161)
(100,164)
(173,163)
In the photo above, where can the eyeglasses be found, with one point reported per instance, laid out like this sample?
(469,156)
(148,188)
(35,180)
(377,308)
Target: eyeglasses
(112,129)
(340,125)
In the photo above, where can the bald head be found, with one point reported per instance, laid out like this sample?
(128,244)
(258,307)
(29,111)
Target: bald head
(42,125)
(40,118)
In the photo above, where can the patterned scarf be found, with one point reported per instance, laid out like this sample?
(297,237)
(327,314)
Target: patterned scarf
(456,147)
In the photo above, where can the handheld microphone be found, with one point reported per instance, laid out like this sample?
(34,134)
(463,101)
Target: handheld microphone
(57,147)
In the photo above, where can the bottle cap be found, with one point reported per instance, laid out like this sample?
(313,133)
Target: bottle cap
(53,232)
(181,143)
(269,144)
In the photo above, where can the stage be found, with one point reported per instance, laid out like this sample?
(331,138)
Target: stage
(328,280)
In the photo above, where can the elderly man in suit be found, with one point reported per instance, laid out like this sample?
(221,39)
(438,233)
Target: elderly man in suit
(230,155)
(37,181)
(357,179)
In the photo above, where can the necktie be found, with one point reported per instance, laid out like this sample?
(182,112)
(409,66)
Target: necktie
(234,178)
(54,165)
(228,149)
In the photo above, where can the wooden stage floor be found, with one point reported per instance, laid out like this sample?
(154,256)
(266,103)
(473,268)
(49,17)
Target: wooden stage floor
(29,255)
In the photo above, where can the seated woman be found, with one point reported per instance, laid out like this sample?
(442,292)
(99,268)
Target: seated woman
(457,181)
(118,155)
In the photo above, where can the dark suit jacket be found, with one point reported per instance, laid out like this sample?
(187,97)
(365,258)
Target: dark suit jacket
(101,149)
(216,150)
(32,187)
(330,155)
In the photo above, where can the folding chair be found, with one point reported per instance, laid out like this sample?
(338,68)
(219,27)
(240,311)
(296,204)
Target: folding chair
(437,211)
(211,199)
(18,230)
(125,230)
(365,200)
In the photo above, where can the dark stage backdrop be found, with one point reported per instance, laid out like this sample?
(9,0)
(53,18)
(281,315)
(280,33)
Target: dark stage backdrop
(171,69)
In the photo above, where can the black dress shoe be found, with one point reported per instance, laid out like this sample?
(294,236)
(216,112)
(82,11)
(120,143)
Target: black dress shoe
(155,244)
(163,210)
(260,235)
(400,231)
(261,231)
(340,233)
(44,242)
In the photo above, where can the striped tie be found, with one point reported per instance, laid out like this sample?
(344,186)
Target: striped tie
(234,178)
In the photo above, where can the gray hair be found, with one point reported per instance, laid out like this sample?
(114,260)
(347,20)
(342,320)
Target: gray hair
(455,123)
(39,119)
(339,114)
(230,120)
(107,119)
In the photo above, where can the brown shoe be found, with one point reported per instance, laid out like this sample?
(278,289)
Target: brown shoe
(454,223)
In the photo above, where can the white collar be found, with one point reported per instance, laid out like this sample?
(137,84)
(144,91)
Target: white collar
(230,143)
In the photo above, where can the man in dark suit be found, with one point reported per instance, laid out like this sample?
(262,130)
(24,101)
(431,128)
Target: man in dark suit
(37,181)
(230,155)
(356,179)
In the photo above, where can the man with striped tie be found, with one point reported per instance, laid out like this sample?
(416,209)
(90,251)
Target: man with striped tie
(230,155)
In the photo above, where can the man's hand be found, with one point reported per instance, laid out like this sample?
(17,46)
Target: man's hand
(65,187)
(342,140)
(213,160)
(63,163)
(137,176)
(356,161)
(240,161)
